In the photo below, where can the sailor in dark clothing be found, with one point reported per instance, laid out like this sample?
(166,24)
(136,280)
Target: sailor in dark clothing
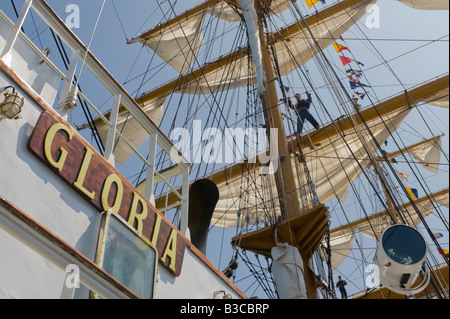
(302,109)
(341,285)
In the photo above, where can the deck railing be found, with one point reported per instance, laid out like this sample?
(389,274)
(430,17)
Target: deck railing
(178,173)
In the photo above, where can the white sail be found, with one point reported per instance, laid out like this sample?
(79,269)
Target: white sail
(427,4)
(179,43)
(341,245)
(238,73)
(291,54)
(132,130)
(441,99)
(429,155)
(333,168)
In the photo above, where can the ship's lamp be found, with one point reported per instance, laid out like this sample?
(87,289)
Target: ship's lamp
(12,103)
(401,257)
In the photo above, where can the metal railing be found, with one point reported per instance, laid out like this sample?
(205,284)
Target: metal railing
(80,53)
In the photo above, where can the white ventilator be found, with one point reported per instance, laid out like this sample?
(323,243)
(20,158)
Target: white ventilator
(401,256)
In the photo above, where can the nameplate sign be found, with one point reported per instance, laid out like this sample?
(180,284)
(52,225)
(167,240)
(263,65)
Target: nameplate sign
(74,160)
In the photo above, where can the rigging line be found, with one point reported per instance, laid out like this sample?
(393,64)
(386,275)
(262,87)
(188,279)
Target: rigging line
(120,21)
(208,84)
(399,180)
(306,171)
(383,39)
(345,92)
(341,164)
(387,62)
(224,96)
(84,106)
(357,193)
(263,284)
(140,87)
(34,23)
(321,102)
(90,41)
(16,12)
(388,194)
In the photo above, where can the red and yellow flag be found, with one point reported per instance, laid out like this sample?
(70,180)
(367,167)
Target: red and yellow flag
(340,48)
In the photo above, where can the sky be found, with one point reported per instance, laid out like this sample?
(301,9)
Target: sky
(414,42)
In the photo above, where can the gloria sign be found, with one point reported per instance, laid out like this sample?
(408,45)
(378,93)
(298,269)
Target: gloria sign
(83,168)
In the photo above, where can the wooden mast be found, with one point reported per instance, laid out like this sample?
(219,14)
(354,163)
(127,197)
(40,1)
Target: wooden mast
(285,181)
(284,176)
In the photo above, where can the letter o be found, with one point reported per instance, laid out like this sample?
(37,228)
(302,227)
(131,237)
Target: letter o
(113,178)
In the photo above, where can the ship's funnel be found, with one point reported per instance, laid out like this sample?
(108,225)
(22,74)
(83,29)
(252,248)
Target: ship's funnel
(400,257)
(203,198)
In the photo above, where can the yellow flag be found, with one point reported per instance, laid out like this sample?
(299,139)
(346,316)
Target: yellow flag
(412,192)
(310,3)
(339,47)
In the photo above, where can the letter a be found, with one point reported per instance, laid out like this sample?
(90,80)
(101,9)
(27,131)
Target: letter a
(373,20)
(73,19)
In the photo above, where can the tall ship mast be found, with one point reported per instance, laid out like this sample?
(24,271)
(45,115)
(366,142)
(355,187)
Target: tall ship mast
(137,191)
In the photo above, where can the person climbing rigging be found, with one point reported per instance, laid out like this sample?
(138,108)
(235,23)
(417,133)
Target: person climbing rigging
(302,108)
(341,285)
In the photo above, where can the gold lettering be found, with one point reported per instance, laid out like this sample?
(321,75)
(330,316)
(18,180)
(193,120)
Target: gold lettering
(48,142)
(113,178)
(82,174)
(171,250)
(156,229)
(134,216)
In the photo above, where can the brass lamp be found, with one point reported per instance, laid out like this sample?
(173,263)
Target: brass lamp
(12,104)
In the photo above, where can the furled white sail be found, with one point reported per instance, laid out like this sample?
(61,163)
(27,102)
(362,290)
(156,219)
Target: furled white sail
(288,272)
(429,155)
(238,73)
(427,4)
(178,43)
(251,20)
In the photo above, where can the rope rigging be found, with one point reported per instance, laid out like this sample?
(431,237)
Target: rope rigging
(220,106)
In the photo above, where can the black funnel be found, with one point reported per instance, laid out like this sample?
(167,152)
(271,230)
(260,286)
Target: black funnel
(203,198)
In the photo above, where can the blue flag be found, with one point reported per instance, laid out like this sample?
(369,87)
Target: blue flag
(356,84)
(358,96)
